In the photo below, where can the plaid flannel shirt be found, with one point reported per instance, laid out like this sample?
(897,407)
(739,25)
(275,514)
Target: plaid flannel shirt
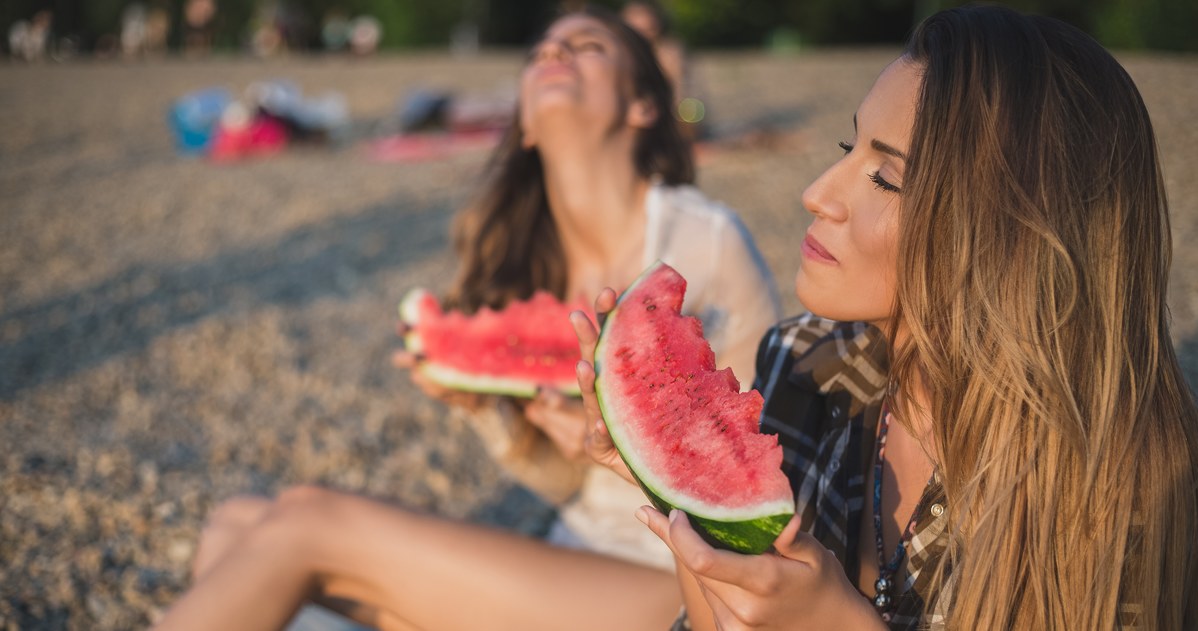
(823,383)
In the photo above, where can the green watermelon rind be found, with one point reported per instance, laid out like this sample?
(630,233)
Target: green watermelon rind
(486,384)
(752,536)
(748,530)
(455,379)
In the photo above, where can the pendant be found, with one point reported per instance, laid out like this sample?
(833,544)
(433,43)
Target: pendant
(882,585)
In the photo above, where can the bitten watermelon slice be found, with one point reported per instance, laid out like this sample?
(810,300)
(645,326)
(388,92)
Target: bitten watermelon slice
(511,352)
(685,430)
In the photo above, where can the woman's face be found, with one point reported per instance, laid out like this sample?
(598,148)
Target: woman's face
(576,72)
(850,251)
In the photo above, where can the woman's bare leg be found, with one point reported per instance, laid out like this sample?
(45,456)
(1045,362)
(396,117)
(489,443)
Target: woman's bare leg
(227,525)
(431,573)
(234,518)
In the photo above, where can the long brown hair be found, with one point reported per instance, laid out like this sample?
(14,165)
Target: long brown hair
(507,240)
(1033,265)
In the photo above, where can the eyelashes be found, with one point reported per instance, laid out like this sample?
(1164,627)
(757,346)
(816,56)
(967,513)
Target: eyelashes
(879,182)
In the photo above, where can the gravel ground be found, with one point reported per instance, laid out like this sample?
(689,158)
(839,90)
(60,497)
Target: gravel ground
(173,332)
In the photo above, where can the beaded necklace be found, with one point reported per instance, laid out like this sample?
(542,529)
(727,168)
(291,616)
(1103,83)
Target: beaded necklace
(883,602)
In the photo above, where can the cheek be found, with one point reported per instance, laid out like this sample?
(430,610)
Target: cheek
(601,81)
(875,268)
(876,241)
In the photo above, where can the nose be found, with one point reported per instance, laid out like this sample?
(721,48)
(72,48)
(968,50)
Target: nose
(825,196)
(553,50)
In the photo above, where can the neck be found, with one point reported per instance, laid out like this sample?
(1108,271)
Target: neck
(916,411)
(597,200)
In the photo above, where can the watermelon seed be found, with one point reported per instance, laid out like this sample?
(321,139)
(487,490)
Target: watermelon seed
(651,308)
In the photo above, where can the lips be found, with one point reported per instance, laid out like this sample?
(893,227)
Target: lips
(813,249)
(553,70)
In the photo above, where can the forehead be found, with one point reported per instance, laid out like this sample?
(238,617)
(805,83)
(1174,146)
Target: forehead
(888,110)
(573,25)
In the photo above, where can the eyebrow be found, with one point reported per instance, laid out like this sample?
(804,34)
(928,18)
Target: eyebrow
(593,31)
(878,145)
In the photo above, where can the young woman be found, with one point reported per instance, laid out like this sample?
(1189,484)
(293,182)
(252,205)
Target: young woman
(588,188)
(990,430)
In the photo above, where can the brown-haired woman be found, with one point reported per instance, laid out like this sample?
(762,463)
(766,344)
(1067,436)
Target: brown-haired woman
(991,430)
(588,187)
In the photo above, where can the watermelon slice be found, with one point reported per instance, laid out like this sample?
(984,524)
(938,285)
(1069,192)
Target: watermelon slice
(510,352)
(685,430)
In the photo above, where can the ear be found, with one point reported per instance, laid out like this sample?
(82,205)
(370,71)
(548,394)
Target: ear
(642,113)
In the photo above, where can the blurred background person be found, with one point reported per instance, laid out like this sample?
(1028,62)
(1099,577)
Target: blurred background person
(653,23)
(29,40)
(199,17)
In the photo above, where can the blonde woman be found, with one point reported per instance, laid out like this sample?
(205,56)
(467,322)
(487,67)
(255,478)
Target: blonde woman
(985,425)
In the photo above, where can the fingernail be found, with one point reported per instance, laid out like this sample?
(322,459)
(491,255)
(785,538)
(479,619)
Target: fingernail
(642,515)
(674,515)
(580,367)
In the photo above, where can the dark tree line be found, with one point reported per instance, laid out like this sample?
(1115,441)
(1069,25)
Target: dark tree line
(1122,24)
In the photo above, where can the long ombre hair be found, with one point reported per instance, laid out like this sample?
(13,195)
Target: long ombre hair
(507,240)
(1033,265)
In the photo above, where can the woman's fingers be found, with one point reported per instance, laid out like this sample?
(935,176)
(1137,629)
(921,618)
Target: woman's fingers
(794,544)
(563,420)
(723,572)
(587,335)
(550,398)
(604,303)
(405,360)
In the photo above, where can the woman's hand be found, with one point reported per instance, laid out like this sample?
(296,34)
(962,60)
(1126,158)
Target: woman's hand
(563,420)
(799,586)
(598,443)
(411,361)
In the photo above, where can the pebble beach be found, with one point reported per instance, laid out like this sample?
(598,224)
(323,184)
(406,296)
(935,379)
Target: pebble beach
(175,331)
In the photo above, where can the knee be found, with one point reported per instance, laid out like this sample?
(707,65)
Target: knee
(226,526)
(304,502)
(241,511)
(303,496)
(306,507)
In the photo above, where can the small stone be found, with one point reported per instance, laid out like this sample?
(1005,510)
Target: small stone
(165,511)
(179,551)
(147,474)
(105,465)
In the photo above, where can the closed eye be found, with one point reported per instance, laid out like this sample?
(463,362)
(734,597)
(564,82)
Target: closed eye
(589,45)
(881,183)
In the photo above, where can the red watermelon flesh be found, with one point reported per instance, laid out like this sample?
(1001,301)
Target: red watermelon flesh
(684,428)
(513,351)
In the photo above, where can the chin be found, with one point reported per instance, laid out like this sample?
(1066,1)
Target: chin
(840,302)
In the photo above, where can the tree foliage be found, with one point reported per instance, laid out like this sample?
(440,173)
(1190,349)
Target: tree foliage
(1125,24)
